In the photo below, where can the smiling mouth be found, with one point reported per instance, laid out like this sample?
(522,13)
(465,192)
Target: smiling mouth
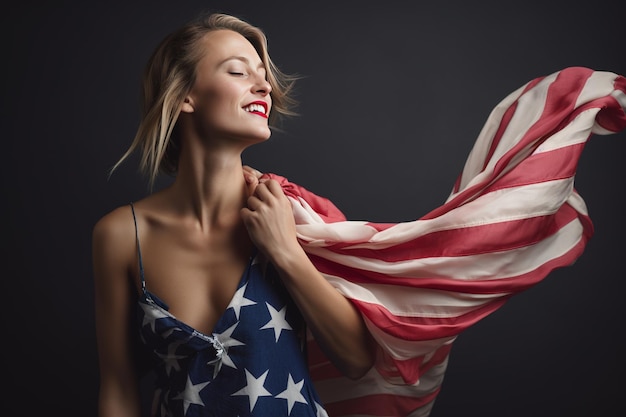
(257,107)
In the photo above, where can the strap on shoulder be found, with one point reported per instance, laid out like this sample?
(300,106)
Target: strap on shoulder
(143,281)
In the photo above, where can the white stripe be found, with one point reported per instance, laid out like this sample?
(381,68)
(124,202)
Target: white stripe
(476,159)
(486,266)
(576,132)
(418,302)
(599,84)
(577,203)
(620,96)
(502,205)
(529,109)
(402,349)
(507,204)
(332,390)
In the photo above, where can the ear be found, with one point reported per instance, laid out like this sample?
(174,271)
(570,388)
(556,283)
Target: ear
(188,106)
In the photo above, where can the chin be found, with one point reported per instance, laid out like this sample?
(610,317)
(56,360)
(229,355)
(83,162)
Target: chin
(266,134)
(257,137)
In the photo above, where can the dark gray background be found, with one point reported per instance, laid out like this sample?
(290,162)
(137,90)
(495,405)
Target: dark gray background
(393,95)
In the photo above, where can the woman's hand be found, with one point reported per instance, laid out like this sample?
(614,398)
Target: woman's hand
(269,220)
(334,321)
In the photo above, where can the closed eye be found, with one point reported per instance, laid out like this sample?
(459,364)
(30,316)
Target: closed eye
(236,73)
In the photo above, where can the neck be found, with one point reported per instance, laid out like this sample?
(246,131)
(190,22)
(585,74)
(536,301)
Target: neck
(210,187)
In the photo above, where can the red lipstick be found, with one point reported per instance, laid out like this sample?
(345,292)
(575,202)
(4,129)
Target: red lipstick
(257,107)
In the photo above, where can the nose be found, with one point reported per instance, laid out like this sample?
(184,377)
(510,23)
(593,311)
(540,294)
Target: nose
(262,86)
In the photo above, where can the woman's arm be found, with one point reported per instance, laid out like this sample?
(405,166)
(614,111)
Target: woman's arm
(335,323)
(113,248)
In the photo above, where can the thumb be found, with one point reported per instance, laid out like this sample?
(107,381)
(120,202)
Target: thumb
(251,183)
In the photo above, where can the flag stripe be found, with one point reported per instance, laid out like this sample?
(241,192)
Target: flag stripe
(511,218)
(380,405)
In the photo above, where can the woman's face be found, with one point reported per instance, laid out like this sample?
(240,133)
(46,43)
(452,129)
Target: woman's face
(231,96)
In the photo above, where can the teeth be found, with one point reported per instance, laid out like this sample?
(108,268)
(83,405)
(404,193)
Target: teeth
(255,107)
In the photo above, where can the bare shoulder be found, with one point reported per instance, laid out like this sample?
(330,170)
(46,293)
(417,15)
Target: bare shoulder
(117,227)
(115,231)
(113,240)
(116,224)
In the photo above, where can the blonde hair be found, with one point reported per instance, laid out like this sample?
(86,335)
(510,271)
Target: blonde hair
(168,77)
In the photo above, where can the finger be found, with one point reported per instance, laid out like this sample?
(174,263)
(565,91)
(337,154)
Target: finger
(251,183)
(254,172)
(262,192)
(254,203)
(274,187)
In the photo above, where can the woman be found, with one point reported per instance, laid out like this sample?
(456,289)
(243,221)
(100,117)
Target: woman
(512,217)
(211,264)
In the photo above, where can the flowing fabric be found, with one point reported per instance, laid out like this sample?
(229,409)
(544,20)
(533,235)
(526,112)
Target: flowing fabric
(513,216)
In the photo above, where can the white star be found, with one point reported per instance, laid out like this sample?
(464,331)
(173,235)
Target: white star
(254,388)
(167,333)
(292,394)
(239,301)
(191,394)
(223,341)
(277,322)
(151,314)
(170,358)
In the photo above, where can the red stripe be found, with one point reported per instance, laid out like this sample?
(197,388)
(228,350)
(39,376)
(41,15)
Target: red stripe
(504,123)
(506,119)
(379,405)
(557,164)
(321,205)
(471,240)
(327,370)
(612,116)
(541,167)
(411,370)
(517,167)
(425,328)
(620,83)
(490,286)
(560,101)
(319,366)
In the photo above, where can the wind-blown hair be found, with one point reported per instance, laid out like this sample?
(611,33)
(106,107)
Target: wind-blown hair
(169,76)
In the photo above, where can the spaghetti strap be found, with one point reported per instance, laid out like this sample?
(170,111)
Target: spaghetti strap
(143,281)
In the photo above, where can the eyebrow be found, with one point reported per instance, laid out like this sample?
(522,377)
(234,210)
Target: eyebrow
(242,59)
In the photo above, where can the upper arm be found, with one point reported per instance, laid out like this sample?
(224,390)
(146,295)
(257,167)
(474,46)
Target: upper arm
(113,243)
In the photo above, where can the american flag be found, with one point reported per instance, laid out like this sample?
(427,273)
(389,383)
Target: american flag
(512,216)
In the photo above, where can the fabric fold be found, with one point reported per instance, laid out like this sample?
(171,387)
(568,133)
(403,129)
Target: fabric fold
(512,216)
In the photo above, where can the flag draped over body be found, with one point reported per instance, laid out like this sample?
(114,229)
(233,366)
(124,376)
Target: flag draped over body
(513,216)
